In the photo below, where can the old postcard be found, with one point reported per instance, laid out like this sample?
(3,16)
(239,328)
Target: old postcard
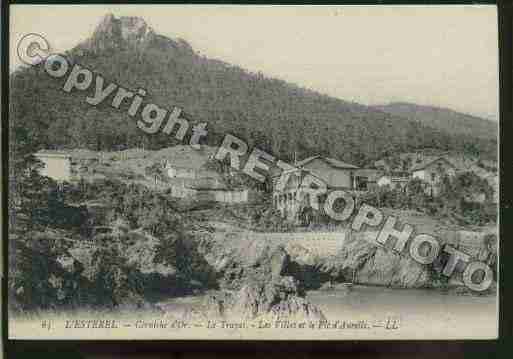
(253,172)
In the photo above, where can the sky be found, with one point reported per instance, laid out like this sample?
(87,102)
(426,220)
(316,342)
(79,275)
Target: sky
(444,56)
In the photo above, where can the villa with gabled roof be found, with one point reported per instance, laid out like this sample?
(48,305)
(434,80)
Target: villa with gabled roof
(336,174)
(291,199)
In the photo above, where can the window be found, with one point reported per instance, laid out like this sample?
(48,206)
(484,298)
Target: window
(361,183)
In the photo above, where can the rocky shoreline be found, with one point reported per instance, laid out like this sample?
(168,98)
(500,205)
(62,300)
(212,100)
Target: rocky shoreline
(245,278)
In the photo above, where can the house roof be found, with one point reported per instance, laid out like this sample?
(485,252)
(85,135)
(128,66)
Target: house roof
(79,154)
(299,172)
(84,154)
(53,153)
(428,161)
(394,178)
(202,184)
(331,161)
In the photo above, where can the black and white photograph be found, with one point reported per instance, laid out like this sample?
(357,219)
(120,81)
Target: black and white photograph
(244,172)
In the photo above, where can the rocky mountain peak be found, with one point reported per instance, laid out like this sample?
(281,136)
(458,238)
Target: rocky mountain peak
(114,32)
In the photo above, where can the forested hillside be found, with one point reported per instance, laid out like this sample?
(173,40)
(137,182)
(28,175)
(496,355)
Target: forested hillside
(280,117)
(444,119)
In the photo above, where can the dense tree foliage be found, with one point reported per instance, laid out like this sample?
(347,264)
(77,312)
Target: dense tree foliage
(445,119)
(455,202)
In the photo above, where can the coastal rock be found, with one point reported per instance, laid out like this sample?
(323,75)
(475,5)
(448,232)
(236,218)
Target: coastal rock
(480,246)
(256,260)
(360,261)
(279,299)
(366,263)
(255,282)
(141,251)
(306,266)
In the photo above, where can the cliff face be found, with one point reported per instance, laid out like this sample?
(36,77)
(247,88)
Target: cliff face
(359,261)
(128,33)
(258,284)
(117,33)
(366,263)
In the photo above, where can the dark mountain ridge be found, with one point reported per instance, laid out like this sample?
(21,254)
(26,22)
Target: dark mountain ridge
(279,117)
(445,119)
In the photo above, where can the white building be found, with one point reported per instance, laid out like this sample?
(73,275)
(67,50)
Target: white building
(289,195)
(396,181)
(174,171)
(56,165)
(431,171)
